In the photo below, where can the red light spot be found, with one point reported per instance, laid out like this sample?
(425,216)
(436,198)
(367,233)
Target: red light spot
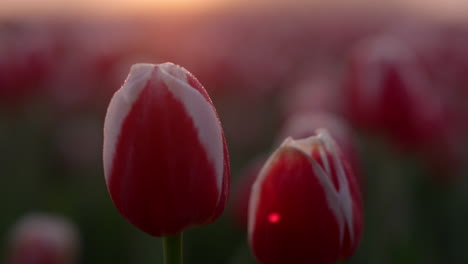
(274,218)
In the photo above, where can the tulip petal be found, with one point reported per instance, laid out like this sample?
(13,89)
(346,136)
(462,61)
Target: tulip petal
(118,109)
(304,189)
(201,110)
(165,156)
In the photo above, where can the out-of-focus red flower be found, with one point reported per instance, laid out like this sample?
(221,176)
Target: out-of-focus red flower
(305,205)
(43,239)
(166,162)
(25,63)
(388,92)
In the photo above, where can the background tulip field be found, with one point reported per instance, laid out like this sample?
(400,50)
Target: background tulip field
(262,67)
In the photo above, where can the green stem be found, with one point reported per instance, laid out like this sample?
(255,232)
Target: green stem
(172,247)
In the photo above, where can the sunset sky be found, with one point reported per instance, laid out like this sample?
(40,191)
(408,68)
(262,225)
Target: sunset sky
(447,9)
(101,7)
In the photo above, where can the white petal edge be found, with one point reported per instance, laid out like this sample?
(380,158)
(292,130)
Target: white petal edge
(119,107)
(339,200)
(201,111)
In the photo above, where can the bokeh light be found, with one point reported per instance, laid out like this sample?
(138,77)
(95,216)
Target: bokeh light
(274,218)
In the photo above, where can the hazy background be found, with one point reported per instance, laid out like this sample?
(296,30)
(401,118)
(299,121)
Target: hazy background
(263,62)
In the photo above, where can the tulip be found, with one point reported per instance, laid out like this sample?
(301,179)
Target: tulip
(305,205)
(389,92)
(301,125)
(165,158)
(43,239)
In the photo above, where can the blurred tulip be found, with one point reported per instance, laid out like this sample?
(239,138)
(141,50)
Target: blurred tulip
(43,239)
(165,157)
(388,92)
(24,65)
(374,70)
(305,205)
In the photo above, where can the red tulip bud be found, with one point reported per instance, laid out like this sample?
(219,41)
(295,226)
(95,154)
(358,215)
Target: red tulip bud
(165,157)
(43,239)
(305,205)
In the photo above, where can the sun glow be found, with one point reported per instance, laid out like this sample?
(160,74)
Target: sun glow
(105,7)
(171,5)
(451,9)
